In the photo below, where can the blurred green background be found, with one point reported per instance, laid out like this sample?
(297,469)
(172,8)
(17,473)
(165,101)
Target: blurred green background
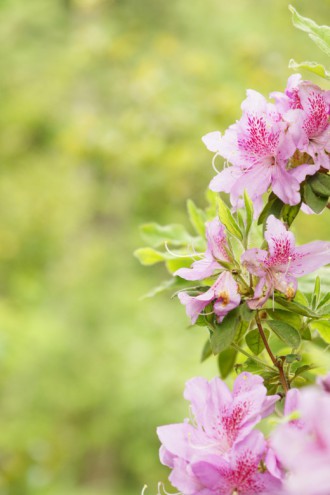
(103,104)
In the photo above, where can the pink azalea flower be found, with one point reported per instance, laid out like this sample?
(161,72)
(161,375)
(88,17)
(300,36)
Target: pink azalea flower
(216,250)
(259,146)
(304,449)
(324,382)
(314,104)
(280,266)
(221,420)
(241,473)
(224,293)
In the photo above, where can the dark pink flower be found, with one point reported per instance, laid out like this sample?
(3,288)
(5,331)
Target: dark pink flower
(284,262)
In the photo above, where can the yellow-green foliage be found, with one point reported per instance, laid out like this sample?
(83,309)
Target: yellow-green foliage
(103,104)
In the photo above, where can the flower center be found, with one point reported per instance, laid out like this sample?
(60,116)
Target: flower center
(224,298)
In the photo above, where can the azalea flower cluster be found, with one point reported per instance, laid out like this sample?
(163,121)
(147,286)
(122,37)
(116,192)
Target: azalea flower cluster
(274,147)
(274,144)
(219,451)
(275,269)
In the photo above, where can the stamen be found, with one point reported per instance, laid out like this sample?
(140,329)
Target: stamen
(213,163)
(288,267)
(161,486)
(207,314)
(175,255)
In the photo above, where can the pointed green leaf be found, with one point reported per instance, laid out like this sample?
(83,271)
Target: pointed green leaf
(228,220)
(249,212)
(316,292)
(301,298)
(296,307)
(306,333)
(148,256)
(197,217)
(156,235)
(224,332)
(292,358)
(226,361)
(285,332)
(273,207)
(303,369)
(165,285)
(324,300)
(255,342)
(323,327)
(289,213)
(319,34)
(320,183)
(314,67)
(315,202)
(286,316)
(207,351)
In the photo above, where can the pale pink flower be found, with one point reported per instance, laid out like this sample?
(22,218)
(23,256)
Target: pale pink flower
(259,147)
(223,293)
(314,105)
(284,262)
(303,448)
(221,420)
(216,251)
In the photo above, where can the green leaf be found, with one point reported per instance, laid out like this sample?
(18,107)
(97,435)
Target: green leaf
(224,332)
(249,212)
(255,342)
(156,235)
(314,67)
(228,220)
(173,264)
(207,351)
(240,220)
(253,366)
(316,292)
(291,358)
(149,256)
(287,316)
(319,34)
(273,207)
(324,300)
(323,327)
(296,307)
(240,332)
(301,298)
(306,333)
(206,317)
(226,361)
(315,202)
(285,332)
(303,369)
(165,285)
(289,213)
(320,183)
(245,312)
(197,217)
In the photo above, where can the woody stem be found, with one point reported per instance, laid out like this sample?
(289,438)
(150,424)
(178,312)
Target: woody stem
(277,362)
